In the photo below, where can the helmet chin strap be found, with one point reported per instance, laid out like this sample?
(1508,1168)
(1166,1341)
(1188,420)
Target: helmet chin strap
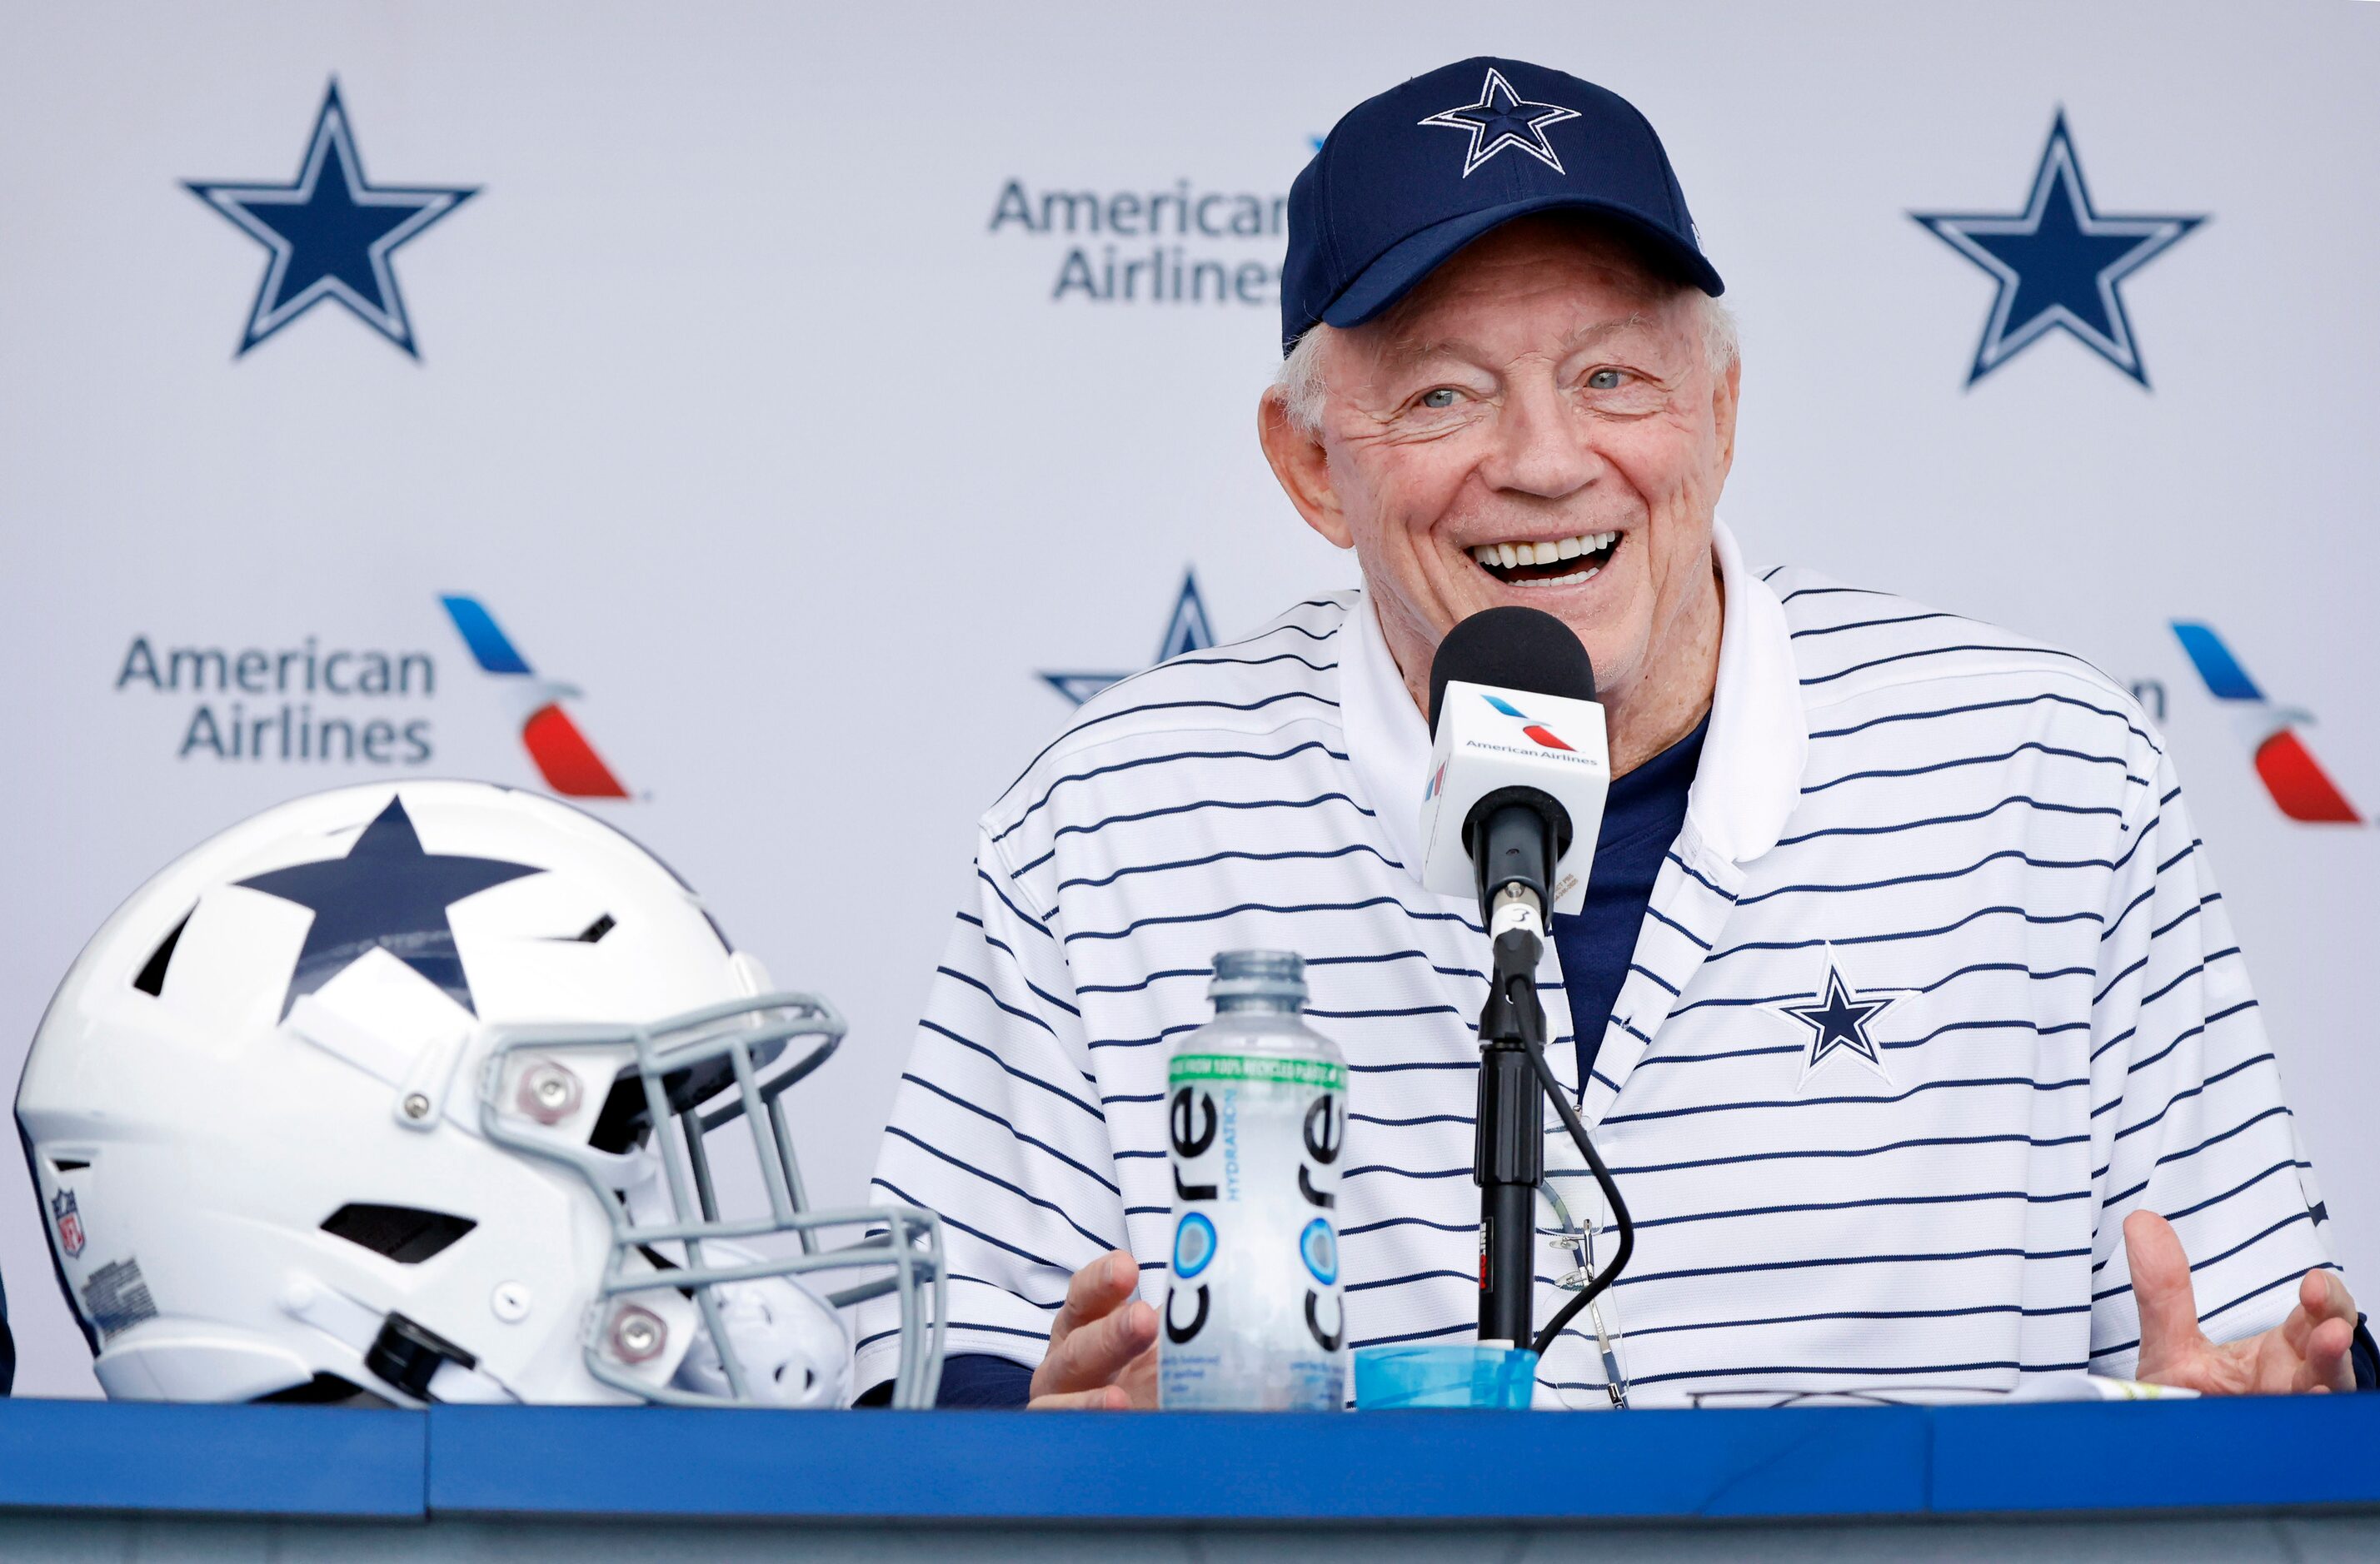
(413,1360)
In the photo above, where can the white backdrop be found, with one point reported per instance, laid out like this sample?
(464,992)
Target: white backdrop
(741,411)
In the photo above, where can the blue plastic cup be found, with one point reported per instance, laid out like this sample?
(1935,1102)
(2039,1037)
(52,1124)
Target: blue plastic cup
(1460,1374)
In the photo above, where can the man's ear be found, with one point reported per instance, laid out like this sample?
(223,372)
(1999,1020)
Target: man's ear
(1723,406)
(1303,469)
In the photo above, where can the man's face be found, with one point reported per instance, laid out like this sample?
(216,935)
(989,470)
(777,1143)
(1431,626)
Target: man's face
(1537,423)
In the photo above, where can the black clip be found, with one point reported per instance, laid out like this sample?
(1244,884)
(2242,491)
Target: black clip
(408,1355)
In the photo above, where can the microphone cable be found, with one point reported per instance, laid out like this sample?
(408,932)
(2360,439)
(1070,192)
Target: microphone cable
(1602,1279)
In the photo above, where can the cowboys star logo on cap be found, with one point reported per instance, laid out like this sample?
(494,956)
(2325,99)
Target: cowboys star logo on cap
(1503,118)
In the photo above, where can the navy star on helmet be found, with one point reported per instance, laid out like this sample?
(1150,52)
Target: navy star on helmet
(1501,119)
(383,893)
(1384,203)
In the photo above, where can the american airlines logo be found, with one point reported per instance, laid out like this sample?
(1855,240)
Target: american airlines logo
(2287,767)
(1539,734)
(563,757)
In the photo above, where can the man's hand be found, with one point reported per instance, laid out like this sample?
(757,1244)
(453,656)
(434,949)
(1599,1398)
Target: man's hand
(1102,1345)
(2308,1355)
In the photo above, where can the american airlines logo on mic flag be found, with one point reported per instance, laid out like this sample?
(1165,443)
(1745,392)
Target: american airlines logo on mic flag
(563,758)
(1474,754)
(1535,731)
(2290,773)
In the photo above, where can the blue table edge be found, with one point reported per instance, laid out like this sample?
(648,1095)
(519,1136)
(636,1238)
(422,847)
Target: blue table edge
(2319,1453)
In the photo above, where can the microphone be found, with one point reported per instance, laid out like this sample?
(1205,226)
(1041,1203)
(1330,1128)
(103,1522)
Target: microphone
(1520,766)
(1518,771)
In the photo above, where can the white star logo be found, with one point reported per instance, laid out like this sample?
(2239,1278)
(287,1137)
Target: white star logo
(1503,118)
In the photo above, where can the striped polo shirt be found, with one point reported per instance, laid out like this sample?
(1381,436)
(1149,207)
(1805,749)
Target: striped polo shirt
(1935,986)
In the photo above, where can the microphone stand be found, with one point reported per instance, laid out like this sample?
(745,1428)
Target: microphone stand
(1509,1143)
(1516,849)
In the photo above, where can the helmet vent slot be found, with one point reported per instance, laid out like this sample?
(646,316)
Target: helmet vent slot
(151,980)
(68,1164)
(401,1232)
(596,930)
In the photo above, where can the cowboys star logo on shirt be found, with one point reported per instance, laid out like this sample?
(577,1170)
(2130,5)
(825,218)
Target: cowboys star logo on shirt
(1502,118)
(69,1220)
(1841,1020)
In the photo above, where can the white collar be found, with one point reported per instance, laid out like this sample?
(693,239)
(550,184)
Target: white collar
(1744,790)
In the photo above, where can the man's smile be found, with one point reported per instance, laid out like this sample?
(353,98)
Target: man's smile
(1558,562)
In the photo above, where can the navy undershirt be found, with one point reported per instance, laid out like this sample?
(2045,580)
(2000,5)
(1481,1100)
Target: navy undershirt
(980,1379)
(1642,815)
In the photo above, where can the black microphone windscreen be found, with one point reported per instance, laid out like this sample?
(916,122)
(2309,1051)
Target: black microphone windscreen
(1512,648)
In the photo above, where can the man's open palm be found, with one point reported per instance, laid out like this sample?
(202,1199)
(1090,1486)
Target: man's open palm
(2307,1353)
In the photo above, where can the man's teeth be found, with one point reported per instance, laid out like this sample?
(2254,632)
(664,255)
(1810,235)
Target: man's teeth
(1512,554)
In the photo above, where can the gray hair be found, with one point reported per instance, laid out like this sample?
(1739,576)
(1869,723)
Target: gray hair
(1300,386)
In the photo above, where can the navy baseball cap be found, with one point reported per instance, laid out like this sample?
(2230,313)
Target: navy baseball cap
(1407,178)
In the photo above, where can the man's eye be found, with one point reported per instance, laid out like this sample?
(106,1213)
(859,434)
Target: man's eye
(1442,397)
(1604,379)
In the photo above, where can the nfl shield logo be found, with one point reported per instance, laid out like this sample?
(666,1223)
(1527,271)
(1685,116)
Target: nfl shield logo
(70,1223)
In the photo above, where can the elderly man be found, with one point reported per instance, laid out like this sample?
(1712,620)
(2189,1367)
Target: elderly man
(1903,1006)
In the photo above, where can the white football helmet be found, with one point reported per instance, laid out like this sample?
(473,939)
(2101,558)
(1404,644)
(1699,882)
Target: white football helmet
(431,1092)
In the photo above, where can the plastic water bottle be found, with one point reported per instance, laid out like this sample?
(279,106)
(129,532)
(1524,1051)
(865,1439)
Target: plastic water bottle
(1255,1119)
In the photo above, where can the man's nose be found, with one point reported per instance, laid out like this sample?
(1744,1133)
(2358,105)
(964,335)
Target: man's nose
(1541,447)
